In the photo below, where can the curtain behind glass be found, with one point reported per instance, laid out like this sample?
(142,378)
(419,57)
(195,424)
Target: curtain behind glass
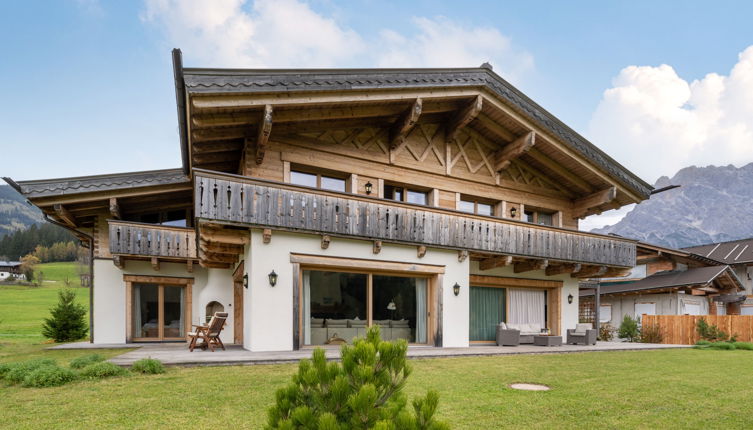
(182,312)
(526,306)
(421,310)
(136,306)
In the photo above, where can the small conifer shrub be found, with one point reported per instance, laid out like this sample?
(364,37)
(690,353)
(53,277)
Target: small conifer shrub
(67,321)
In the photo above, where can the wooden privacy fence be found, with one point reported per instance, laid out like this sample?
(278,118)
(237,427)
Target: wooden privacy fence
(249,202)
(681,329)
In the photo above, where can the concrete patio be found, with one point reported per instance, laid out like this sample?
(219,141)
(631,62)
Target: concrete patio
(177,354)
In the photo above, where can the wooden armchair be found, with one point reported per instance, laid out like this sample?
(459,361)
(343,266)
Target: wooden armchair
(209,334)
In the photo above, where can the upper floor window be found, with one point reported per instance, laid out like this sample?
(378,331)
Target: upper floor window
(474,205)
(539,217)
(405,194)
(325,181)
(176,218)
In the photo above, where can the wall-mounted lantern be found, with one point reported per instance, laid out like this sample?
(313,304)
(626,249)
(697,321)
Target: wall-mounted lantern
(245,281)
(456,288)
(368,187)
(272,278)
(513,212)
(570,299)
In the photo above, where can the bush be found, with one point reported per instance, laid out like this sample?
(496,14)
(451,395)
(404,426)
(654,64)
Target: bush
(85,360)
(651,334)
(102,369)
(15,373)
(67,321)
(149,366)
(629,329)
(703,343)
(606,332)
(711,333)
(364,391)
(747,346)
(49,376)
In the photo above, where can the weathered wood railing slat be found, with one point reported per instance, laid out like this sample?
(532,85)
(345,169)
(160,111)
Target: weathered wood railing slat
(273,206)
(151,240)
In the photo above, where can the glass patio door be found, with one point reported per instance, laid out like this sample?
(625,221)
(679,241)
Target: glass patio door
(158,312)
(487,310)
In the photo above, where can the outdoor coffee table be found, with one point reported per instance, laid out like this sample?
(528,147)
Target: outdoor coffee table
(547,340)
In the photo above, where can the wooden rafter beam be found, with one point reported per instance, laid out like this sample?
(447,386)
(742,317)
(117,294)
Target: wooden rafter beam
(495,128)
(213,265)
(65,215)
(118,261)
(513,150)
(155,264)
(463,117)
(617,272)
(404,125)
(233,237)
(584,206)
(114,208)
(590,272)
(220,248)
(560,170)
(527,266)
(255,148)
(493,262)
(218,258)
(562,269)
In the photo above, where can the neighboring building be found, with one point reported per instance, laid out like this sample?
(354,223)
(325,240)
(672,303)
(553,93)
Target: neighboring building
(738,254)
(314,203)
(9,268)
(665,281)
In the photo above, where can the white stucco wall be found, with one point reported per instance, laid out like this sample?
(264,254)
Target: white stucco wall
(666,304)
(110,295)
(568,312)
(269,310)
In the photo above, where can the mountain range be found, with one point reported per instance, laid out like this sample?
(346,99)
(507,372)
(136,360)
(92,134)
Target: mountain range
(713,204)
(15,213)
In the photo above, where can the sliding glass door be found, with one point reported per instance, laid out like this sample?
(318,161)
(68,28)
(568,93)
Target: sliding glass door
(158,312)
(337,307)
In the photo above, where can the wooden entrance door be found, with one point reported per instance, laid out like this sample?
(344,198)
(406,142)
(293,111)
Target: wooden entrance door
(238,304)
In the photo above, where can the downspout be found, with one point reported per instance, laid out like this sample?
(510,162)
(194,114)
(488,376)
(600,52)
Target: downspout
(89,237)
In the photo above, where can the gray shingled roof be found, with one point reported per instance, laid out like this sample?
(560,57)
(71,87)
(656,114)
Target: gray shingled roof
(88,184)
(208,81)
(690,277)
(734,252)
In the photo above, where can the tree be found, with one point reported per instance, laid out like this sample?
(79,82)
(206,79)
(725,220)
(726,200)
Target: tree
(363,392)
(629,329)
(28,262)
(67,320)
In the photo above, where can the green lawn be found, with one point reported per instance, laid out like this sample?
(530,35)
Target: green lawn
(647,389)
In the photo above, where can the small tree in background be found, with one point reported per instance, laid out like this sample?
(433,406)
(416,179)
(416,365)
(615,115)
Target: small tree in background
(363,392)
(67,320)
(28,262)
(629,329)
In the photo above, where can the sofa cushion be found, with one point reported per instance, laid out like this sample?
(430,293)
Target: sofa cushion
(336,323)
(317,322)
(581,328)
(356,323)
(400,323)
(503,326)
(382,323)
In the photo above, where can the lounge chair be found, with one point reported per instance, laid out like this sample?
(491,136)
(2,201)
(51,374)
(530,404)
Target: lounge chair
(209,334)
(582,335)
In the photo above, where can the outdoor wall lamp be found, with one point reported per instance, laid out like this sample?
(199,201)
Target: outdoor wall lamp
(570,299)
(368,187)
(272,278)
(245,281)
(513,212)
(456,288)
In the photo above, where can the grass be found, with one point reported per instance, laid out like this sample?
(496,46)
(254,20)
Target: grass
(23,308)
(627,389)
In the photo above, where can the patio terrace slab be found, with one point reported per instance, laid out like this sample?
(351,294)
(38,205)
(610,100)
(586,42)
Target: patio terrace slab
(177,354)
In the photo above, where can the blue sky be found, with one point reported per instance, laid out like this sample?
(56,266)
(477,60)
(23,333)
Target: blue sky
(87,85)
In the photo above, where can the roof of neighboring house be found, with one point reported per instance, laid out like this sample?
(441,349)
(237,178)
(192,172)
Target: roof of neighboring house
(699,276)
(734,252)
(206,81)
(9,263)
(88,184)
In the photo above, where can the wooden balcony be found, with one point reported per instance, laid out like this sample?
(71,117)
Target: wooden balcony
(134,239)
(240,201)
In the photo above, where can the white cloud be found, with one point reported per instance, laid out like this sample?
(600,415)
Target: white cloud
(655,122)
(288,33)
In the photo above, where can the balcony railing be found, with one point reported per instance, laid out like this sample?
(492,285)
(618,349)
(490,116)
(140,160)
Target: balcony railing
(139,239)
(238,200)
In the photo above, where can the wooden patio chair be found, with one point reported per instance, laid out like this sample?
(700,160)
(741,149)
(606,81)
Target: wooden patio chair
(209,334)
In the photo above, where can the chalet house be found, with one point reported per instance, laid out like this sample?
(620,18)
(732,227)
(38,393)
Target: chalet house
(9,268)
(664,281)
(312,204)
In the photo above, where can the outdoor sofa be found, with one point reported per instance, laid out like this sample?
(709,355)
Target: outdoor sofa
(515,334)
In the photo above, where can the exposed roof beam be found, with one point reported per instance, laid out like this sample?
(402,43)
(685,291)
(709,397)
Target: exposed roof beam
(404,125)
(513,150)
(65,215)
(617,272)
(114,208)
(495,128)
(590,272)
(562,269)
(265,129)
(218,146)
(463,117)
(560,170)
(527,266)
(492,262)
(583,206)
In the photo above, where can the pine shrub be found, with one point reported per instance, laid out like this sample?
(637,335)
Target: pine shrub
(711,332)
(150,366)
(364,391)
(629,329)
(102,369)
(49,376)
(67,321)
(85,360)
(15,373)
